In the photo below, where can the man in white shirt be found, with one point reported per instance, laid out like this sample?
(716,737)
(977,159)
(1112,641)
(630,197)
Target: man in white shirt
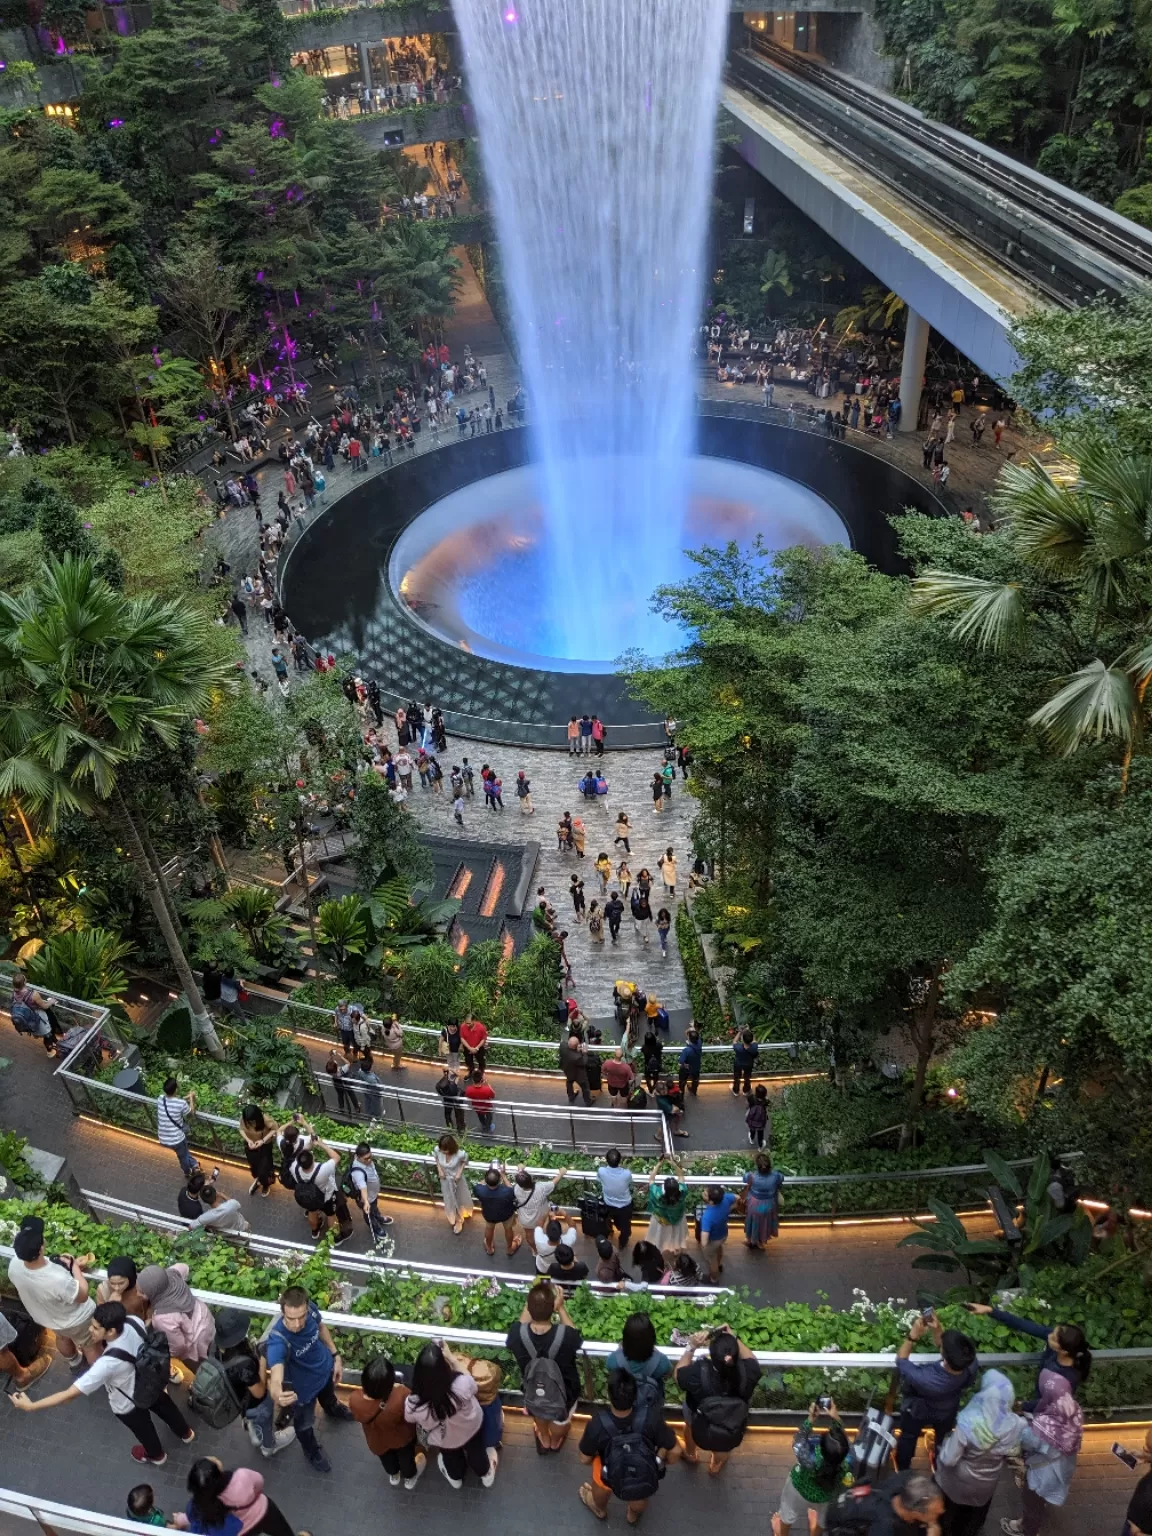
(54,1292)
(121,1337)
(547,1239)
(221,1215)
(172,1113)
(328,1201)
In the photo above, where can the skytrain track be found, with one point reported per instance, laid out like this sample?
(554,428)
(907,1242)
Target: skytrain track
(1066,246)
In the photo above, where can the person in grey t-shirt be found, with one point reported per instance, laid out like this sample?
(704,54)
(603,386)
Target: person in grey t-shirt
(616,1189)
(221,1215)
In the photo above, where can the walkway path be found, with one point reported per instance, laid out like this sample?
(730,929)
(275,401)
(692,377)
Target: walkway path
(802,1264)
(77,1455)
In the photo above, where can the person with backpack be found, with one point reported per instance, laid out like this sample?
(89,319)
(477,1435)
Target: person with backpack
(133,1370)
(304,1368)
(547,1352)
(717,1391)
(909,1503)
(822,1469)
(317,1192)
(756,1116)
(30,1011)
(628,1446)
(233,1383)
(378,1407)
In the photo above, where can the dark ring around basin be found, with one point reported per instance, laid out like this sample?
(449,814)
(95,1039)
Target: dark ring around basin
(334,578)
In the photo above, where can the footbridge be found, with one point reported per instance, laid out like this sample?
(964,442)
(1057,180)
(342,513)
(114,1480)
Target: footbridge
(970,238)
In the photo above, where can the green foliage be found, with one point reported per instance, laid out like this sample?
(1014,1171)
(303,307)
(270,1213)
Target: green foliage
(387,843)
(173,1033)
(266,1056)
(1044,1237)
(82,963)
(702,994)
(16,1165)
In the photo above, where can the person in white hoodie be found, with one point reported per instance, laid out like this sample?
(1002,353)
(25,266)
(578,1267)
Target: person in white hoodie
(970,1461)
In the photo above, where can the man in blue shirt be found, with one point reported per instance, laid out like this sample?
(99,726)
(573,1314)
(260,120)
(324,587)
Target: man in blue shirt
(303,1369)
(714,1228)
(616,1188)
(931,1389)
(690,1059)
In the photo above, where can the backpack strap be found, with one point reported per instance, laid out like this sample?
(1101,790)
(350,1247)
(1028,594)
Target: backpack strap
(526,1340)
(557,1340)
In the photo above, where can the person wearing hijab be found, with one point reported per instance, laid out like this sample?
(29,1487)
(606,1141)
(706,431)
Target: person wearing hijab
(186,1321)
(120,1285)
(970,1461)
(1051,1443)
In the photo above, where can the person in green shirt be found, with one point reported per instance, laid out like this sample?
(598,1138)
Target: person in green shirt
(142,1506)
(821,1471)
(667,1207)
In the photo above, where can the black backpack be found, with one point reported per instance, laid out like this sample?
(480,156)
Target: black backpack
(308,1194)
(152,1363)
(719,1421)
(631,1467)
(856,1511)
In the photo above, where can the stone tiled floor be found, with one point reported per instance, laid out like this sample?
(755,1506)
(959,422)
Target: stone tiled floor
(79,1455)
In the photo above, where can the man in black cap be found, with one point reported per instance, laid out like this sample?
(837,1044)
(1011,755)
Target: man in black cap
(247,1371)
(54,1292)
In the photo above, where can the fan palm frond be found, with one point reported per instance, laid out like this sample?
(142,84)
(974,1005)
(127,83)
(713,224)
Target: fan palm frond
(989,613)
(1098,703)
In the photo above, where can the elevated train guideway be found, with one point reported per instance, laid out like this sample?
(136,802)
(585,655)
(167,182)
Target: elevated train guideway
(968,237)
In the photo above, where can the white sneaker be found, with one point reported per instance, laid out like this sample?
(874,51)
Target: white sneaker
(253,1433)
(281,1437)
(421,1463)
(493,1462)
(394,1479)
(453,1482)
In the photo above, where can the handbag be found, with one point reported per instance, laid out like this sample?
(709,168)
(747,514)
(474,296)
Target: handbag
(442,1047)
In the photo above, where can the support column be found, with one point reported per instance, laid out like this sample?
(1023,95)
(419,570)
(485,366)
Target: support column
(912,369)
(365,66)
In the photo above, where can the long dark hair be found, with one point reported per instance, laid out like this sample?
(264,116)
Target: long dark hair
(648,1259)
(206,1482)
(834,1449)
(432,1379)
(1074,1342)
(724,1353)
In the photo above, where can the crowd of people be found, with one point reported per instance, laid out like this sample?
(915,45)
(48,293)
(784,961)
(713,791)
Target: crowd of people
(139,1332)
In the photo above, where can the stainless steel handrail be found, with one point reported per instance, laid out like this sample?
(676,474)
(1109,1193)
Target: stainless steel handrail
(365,1263)
(588,1175)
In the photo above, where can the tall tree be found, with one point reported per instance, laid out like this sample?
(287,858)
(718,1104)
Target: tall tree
(87,675)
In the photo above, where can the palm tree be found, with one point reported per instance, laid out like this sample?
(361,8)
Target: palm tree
(86,676)
(1086,544)
(774,274)
(879,309)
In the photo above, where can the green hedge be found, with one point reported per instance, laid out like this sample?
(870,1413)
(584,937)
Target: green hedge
(873,1195)
(1114,1315)
(702,994)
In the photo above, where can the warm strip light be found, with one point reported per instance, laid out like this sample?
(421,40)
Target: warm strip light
(460,883)
(492,890)
(461,942)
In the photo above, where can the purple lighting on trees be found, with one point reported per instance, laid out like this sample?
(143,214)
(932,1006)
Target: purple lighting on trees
(115,122)
(276,128)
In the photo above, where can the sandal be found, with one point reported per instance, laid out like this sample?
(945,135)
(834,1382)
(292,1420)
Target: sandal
(590,1503)
(491,1252)
(693,1461)
(516,1246)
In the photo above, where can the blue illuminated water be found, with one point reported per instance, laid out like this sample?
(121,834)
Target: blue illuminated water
(596,129)
(474,567)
